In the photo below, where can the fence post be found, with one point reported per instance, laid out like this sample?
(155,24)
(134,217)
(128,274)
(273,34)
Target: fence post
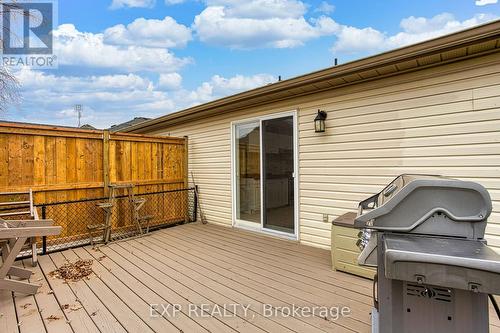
(105,162)
(44,238)
(186,175)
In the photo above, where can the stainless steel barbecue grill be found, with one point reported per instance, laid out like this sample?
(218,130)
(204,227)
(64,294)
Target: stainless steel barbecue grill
(434,270)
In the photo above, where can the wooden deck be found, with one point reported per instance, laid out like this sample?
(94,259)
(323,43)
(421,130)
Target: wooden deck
(204,265)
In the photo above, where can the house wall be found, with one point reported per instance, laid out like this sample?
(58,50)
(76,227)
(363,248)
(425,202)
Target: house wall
(443,120)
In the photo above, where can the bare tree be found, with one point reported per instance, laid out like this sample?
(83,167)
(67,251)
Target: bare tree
(9,85)
(9,89)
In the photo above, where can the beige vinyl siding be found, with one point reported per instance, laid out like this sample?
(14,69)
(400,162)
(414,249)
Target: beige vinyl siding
(443,120)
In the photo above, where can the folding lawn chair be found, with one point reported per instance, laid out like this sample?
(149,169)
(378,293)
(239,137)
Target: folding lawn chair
(13,236)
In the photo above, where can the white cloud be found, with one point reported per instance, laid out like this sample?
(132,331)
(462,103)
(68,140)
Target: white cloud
(352,40)
(107,99)
(73,47)
(170,81)
(116,4)
(31,79)
(166,33)
(415,29)
(485,2)
(226,86)
(248,28)
(325,7)
(418,25)
(248,24)
(219,86)
(261,9)
(111,99)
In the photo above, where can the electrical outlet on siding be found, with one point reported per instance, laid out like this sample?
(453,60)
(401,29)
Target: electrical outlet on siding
(325,218)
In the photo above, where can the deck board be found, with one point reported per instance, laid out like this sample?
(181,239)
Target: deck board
(262,278)
(249,288)
(224,294)
(78,320)
(284,280)
(127,295)
(315,254)
(47,304)
(242,281)
(266,257)
(193,292)
(191,264)
(143,290)
(71,294)
(8,317)
(28,314)
(118,313)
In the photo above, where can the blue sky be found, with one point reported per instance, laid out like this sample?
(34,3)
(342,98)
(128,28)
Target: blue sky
(126,58)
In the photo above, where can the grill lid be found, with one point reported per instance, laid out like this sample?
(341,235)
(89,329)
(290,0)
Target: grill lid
(426,204)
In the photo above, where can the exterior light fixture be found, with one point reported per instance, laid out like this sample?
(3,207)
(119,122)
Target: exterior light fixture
(319,122)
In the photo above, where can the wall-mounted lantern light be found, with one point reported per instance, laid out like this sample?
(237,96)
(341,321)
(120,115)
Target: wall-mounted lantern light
(319,122)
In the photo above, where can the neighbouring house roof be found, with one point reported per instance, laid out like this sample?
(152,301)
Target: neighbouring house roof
(480,40)
(88,126)
(122,126)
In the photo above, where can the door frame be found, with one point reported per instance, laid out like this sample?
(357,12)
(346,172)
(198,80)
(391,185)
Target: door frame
(259,226)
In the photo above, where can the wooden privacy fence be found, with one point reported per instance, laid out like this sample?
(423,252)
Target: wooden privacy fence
(67,164)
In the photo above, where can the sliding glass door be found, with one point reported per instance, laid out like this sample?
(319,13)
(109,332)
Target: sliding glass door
(264,174)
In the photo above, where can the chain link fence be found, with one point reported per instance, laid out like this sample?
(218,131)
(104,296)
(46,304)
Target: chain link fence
(79,218)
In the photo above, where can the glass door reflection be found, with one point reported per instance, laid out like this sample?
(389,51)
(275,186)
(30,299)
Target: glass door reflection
(248,172)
